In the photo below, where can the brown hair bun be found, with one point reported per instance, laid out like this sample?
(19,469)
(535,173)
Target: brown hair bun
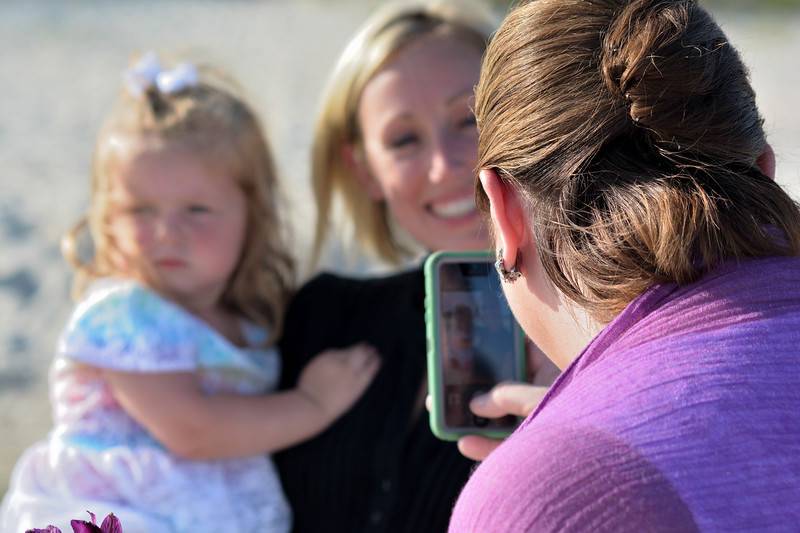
(631,129)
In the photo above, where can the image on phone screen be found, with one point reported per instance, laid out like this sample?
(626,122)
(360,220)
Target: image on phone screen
(478,340)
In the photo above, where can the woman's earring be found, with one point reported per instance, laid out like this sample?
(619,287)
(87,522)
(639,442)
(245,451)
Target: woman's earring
(509,275)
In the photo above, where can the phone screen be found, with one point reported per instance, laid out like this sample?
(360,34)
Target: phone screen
(479,340)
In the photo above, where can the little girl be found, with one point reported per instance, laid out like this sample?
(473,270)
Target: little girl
(159,380)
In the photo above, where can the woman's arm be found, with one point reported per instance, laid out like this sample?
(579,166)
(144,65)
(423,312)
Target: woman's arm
(197,426)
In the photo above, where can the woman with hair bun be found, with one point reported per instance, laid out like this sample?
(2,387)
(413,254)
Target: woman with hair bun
(627,178)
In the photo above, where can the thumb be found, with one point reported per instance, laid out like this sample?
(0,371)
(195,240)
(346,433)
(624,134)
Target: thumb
(519,399)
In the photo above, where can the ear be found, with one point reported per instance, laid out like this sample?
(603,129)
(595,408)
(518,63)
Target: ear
(766,161)
(507,213)
(356,163)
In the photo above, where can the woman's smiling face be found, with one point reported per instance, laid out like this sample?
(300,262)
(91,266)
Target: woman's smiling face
(420,142)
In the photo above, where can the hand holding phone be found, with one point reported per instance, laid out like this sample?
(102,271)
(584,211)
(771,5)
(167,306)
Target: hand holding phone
(473,343)
(519,399)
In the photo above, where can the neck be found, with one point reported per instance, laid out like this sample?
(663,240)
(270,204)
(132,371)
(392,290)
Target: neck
(215,315)
(198,305)
(557,326)
(570,329)
(224,322)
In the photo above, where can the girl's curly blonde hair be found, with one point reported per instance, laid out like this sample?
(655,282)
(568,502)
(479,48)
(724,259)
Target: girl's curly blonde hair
(213,120)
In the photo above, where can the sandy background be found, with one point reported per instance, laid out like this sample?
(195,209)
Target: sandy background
(60,63)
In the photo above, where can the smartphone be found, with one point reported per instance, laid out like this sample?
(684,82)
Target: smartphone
(474,342)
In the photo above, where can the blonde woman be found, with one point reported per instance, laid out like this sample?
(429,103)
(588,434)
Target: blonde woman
(396,142)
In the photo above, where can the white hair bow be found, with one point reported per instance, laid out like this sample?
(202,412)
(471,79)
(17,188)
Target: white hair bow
(147,73)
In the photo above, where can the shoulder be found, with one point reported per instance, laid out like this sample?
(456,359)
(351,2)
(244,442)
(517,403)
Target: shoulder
(327,282)
(326,290)
(111,303)
(323,287)
(121,324)
(332,311)
(569,479)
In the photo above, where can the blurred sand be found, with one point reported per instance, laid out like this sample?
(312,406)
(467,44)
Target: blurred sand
(60,65)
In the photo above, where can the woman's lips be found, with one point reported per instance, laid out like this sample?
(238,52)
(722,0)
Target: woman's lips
(454,209)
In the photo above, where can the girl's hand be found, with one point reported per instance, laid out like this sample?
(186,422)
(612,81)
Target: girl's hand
(519,399)
(335,379)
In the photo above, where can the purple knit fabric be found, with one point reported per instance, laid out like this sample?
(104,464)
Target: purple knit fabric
(682,415)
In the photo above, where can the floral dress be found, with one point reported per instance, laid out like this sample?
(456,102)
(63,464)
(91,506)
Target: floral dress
(98,458)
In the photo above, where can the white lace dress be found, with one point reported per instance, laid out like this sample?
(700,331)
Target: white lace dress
(98,458)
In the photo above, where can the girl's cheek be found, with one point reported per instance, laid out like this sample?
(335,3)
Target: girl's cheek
(141,233)
(200,227)
(137,236)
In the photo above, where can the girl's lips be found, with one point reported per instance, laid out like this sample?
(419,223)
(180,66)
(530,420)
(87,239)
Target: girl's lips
(171,263)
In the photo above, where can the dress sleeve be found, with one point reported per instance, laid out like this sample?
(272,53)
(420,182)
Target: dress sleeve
(124,326)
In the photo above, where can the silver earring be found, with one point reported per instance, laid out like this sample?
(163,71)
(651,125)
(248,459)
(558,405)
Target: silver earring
(509,275)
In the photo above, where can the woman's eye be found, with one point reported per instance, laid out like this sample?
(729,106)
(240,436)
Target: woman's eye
(467,122)
(402,141)
(198,209)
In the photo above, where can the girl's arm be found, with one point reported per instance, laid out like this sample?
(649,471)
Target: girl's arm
(197,426)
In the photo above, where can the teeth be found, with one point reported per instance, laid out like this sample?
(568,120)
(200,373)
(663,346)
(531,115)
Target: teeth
(456,208)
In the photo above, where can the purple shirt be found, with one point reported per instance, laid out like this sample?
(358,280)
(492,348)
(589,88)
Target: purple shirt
(683,414)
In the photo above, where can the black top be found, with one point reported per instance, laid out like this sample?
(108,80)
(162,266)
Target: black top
(374,469)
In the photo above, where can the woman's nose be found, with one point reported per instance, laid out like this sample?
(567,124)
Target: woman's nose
(448,158)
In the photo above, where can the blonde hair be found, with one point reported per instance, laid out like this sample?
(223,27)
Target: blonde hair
(215,122)
(632,130)
(380,38)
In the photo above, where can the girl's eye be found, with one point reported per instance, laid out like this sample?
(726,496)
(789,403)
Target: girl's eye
(141,210)
(402,141)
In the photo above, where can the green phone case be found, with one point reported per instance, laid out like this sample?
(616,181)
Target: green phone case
(435,377)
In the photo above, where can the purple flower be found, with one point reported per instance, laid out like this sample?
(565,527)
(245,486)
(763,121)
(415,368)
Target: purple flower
(110,525)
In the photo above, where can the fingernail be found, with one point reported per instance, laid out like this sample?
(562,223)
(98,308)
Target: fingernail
(479,401)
